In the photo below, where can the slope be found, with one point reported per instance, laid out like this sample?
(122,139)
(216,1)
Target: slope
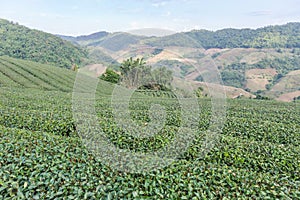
(279,36)
(287,88)
(250,59)
(43,156)
(21,42)
(27,74)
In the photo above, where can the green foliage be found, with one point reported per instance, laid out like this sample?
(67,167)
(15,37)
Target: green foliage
(296,98)
(199,78)
(185,69)
(117,41)
(177,39)
(233,78)
(110,76)
(269,86)
(24,74)
(280,36)
(130,64)
(180,69)
(253,159)
(97,56)
(42,156)
(215,55)
(135,73)
(260,97)
(234,74)
(199,92)
(282,65)
(21,42)
(157,51)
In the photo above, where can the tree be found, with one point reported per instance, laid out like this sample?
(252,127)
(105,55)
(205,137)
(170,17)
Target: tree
(110,76)
(131,64)
(136,74)
(131,71)
(24,43)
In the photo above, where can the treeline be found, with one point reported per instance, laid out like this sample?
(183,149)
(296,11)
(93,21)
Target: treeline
(279,36)
(21,42)
(178,39)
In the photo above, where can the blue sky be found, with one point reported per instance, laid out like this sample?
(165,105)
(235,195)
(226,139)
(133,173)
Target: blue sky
(77,17)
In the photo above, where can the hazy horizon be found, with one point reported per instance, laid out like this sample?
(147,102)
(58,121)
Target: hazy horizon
(74,18)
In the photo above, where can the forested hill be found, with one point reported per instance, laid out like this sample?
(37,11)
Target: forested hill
(279,36)
(92,36)
(21,42)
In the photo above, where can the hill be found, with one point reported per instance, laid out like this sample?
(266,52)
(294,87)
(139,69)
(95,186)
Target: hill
(85,39)
(21,42)
(290,84)
(177,39)
(27,74)
(45,152)
(254,70)
(110,41)
(279,36)
(254,60)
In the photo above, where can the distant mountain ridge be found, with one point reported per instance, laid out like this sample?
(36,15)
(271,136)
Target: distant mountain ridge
(93,36)
(278,36)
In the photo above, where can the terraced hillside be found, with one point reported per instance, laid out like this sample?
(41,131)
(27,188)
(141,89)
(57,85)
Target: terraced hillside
(27,74)
(42,155)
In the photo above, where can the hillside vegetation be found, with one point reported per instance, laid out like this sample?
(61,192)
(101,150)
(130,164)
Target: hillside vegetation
(27,74)
(279,36)
(42,155)
(58,140)
(21,42)
(254,60)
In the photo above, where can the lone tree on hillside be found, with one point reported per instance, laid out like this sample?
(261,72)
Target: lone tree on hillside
(110,76)
(133,72)
(136,74)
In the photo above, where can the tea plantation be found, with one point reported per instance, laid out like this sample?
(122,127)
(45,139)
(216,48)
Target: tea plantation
(42,156)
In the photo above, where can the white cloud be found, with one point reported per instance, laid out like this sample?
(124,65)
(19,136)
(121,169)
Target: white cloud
(159,4)
(167,14)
